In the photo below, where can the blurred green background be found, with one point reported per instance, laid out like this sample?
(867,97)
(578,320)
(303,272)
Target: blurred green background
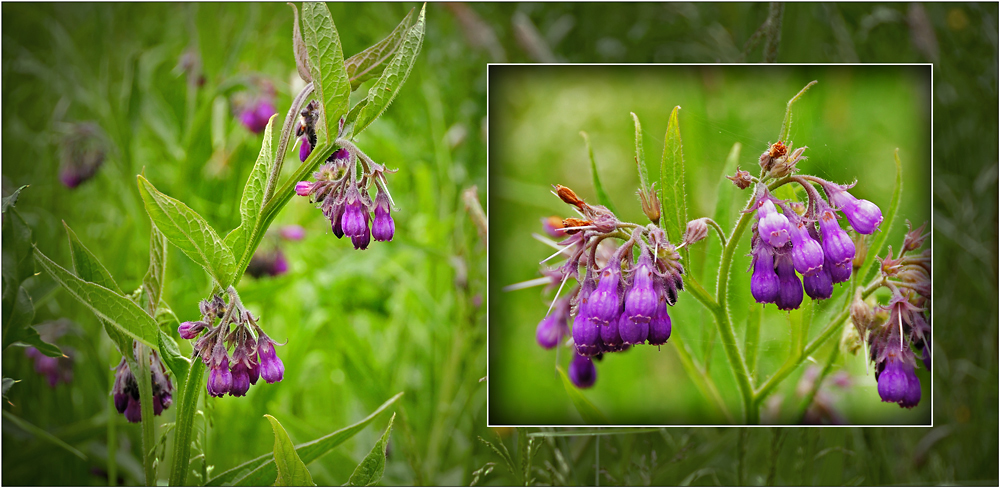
(115,63)
(852,121)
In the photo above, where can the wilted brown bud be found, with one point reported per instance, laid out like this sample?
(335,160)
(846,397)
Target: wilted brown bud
(568,196)
(741,179)
(650,204)
(914,238)
(765,161)
(861,314)
(777,150)
(860,249)
(696,230)
(785,165)
(569,223)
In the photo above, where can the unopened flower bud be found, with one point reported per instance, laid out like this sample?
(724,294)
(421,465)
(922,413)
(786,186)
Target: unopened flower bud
(568,196)
(696,230)
(582,372)
(190,330)
(742,179)
(914,237)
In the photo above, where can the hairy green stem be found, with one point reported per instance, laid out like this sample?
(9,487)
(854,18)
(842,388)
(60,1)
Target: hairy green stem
(187,406)
(143,378)
(286,132)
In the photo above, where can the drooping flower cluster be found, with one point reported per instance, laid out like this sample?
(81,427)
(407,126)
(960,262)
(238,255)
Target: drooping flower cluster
(269,260)
(253,355)
(126,389)
(54,369)
(787,244)
(82,153)
(255,107)
(621,296)
(906,328)
(342,194)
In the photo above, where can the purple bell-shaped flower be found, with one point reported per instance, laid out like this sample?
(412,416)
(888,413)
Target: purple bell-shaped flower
(582,371)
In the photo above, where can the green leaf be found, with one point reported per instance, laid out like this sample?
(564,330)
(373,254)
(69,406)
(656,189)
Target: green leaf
(352,118)
(890,217)
(673,199)
(252,202)
(187,230)
(89,268)
(7,383)
(42,434)
(117,310)
(602,196)
(261,470)
(326,59)
(153,281)
(370,63)
(86,265)
(587,410)
(372,466)
(291,470)
(11,200)
(166,319)
(382,93)
(18,312)
(786,123)
(172,357)
(17,260)
(640,158)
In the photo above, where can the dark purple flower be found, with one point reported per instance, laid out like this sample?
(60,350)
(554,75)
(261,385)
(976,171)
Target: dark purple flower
(220,379)
(255,115)
(807,254)
(863,215)
(354,222)
(382,226)
(772,226)
(305,149)
(819,285)
(361,242)
(641,299)
(898,383)
(659,327)
(633,331)
(121,401)
(271,367)
(839,272)
(790,288)
(336,220)
(764,283)
(605,303)
(190,330)
(582,372)
(133,412)
(241,380)
(837,245)
(586,335)
(609,332)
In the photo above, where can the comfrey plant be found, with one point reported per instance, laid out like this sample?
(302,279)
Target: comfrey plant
(626,275)
(227,338)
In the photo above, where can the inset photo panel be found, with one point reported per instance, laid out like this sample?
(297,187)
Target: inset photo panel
(710,245)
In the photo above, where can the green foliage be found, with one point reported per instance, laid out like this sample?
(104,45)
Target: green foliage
(369,472)
(673,199)
(326,58)
(291,470)
(371,62)
(190,232)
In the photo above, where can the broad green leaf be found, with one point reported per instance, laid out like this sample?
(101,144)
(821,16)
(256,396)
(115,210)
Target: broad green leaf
(382,93)
(883,233)
(673,199)
(172,357)
(153,281)
(18,313)
(11,200)
(602,196)
(640,158)
(326,59)
(17,259)
(86,265)
(117,310)
(372,466)
(166,319)
(370,63)
(42,434)
(291,470)
(786,123)
(89,268)
(587,410)
(253,194)
(28,336)
(352,118)
(187,230)
(261,470)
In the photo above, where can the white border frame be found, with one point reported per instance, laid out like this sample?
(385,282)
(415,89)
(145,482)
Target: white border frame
(592,426)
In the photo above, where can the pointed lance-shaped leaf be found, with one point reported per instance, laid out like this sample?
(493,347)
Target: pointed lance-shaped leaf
(326,62)
(371,62)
